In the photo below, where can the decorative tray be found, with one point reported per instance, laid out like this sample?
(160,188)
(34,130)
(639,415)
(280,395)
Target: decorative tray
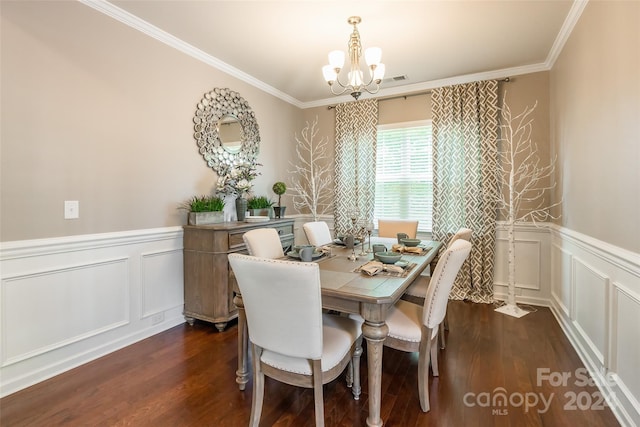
(257,218)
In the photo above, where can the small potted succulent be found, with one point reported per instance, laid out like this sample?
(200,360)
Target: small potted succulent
(204,210)
(279,188)
(260,206)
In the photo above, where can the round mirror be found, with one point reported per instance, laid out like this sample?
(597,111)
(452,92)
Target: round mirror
(230,133)
(226,130)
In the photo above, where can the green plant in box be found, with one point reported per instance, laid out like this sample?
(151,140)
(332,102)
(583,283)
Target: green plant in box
(259,202)
(204,204)
(204,210)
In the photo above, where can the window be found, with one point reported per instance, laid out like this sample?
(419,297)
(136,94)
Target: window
(404,173)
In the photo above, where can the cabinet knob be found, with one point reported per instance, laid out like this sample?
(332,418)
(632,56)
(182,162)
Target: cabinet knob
(279,231)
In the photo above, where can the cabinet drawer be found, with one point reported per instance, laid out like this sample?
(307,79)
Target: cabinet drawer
(285,231)
(235,240)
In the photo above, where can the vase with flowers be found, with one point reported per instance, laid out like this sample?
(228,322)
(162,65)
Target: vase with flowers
(238,181)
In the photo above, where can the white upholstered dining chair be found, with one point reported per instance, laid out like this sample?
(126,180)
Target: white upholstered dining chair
(317,233)
(292,341)
(415,328)
(418,289)
(416,292)
(263,243)
(391,227)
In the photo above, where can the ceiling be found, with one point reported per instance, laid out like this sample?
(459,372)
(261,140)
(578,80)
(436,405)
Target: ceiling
(281,46)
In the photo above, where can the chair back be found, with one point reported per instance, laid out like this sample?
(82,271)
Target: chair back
(391,228)
(282,302)
(263,243)
(435,303)
(317,233)
(463,233)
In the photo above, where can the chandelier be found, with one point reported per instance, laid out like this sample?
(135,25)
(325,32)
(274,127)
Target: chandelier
(355,79)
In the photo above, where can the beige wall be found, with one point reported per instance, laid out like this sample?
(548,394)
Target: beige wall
(595,98)
(95,111)
(522,93)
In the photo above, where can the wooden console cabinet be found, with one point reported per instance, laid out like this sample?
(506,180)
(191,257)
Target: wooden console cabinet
(208,278)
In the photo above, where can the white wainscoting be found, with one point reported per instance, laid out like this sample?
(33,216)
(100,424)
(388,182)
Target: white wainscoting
(533,271)
(595,295)
(67,301)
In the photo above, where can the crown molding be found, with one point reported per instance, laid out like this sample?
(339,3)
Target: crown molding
(434,84)
(565,31)
(151,30)
(143,26)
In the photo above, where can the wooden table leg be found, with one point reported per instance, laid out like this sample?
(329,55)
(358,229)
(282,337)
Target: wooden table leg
(375,334)
(242,374)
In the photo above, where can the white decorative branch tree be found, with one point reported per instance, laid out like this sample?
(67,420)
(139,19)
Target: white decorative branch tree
(311,182)
(525,181)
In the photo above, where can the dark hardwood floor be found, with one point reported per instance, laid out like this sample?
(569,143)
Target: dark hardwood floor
(186,377)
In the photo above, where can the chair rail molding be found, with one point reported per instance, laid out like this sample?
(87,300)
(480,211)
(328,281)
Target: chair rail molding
(69,300)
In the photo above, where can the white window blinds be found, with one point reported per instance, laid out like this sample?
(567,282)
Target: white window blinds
(404,173)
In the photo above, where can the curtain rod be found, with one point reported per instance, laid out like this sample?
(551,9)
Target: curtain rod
(330,107)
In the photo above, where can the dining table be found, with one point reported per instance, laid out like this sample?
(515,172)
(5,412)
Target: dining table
(346,289)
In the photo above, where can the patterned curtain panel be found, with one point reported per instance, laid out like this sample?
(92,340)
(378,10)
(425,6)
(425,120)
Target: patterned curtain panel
(465,182)
(355,161)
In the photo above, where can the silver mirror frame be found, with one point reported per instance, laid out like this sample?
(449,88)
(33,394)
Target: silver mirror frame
(215,105)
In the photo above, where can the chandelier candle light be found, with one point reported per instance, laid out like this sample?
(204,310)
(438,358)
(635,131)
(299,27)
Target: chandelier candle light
(355,83)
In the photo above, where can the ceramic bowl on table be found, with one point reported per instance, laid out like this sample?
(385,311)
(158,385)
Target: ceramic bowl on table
(410,242)
(388,257)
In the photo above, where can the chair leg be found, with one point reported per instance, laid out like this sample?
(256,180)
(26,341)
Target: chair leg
(317,393)
(349,376)
(258,388)
(355,369)
(423,369)
(446,319)
(434,356)
(444,326)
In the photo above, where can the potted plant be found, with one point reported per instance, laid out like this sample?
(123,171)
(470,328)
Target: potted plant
(237,181)
(279,188)
(204,210)
(260,206)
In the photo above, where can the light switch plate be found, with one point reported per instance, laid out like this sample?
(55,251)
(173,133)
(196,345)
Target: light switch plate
(71,209)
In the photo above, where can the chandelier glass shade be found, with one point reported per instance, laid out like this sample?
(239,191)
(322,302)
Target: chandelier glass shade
(355,82)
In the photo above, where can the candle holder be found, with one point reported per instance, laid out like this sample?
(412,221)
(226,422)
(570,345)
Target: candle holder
(369,231)
(350,244)
(353,215)
(363,236)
